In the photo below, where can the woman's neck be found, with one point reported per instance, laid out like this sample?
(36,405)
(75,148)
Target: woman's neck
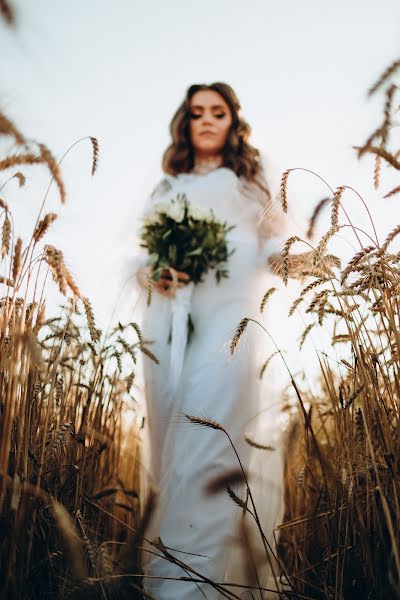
(205,164)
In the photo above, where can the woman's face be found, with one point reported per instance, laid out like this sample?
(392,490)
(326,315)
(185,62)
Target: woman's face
(210,121)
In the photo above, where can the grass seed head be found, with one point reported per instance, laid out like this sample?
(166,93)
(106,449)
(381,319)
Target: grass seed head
(5,236)
(238,334)
(284,180)
(95,146)
(53,166)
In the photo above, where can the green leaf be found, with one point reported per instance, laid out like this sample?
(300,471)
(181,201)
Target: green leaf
(195,252)
(172,253)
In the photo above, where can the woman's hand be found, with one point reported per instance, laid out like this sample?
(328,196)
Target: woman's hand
(164,285)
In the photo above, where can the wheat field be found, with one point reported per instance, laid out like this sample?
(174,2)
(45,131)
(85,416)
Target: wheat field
(74,503)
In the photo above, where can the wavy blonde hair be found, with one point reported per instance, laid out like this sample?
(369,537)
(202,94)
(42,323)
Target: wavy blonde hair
(237,154)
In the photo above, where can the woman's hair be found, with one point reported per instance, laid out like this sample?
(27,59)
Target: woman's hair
(237,154)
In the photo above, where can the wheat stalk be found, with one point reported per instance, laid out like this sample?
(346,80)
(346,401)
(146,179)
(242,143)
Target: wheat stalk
(335,206)
(205,421)
(322,246)
(392,192)
(384,77)
(17,259)
(284,180)
(47,157)
(315,215)
(220,482)
(5,236)
(94,333)
(355,260)
(377,171)
(257,445)
(95,146)
(7,281)
(55,260)
(236,498)
(294,305)
(238,334)
(266,363)
(150,354)
(390,238)
(266,296)
(285,256)
(387,156)
(305,334)
(21,178)
(19,159)
(43,225)
(8,128)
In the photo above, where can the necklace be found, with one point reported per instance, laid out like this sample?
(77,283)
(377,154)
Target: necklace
(206,165)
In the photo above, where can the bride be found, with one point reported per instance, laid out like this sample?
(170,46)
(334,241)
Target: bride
(211,160)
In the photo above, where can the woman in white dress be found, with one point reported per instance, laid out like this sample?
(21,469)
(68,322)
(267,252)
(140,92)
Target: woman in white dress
(211,161)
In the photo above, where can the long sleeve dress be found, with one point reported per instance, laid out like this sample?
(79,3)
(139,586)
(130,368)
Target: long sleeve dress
(202,530)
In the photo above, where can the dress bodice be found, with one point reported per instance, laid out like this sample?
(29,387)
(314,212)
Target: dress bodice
(226,194)
(237,202)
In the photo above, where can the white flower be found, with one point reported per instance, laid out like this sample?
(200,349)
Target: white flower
(161,207)
(176,211)
(152,216)
(200,213)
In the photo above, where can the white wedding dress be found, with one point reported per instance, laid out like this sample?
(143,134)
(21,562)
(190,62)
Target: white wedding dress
(202,530)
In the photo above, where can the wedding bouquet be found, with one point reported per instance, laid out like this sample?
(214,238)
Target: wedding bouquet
(183,236)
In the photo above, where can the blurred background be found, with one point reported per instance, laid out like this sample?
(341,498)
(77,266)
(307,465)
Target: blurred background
(118,72)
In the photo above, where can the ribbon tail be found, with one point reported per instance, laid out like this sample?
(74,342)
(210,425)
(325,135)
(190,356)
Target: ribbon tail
(180,308)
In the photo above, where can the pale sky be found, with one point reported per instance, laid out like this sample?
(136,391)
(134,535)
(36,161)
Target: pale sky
(118,71)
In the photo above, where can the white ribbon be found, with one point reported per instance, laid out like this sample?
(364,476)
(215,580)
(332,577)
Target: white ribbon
(180,308)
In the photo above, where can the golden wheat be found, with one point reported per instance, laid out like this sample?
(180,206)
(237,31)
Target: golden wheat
(384,77)
(43,226)
(17,259)
(392,192)
(284,180)
(47,157)
(206,422)
(314,217)
(5,236)
(238,334)
(377,171)
(221,482)
(94,334)
(266,296)
(8,128)
(21,178)
(285,256)
(95,146)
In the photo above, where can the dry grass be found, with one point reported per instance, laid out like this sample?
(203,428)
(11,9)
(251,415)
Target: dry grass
(69,476)
(70,524)
(340,535)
